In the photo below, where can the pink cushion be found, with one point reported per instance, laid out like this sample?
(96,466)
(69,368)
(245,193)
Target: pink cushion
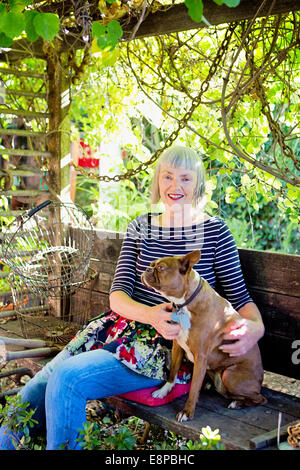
(144,396)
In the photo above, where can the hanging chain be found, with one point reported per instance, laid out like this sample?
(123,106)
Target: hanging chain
(195,102)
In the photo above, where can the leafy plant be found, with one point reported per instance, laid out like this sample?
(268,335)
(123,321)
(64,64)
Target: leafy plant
(14,19)
(122,439)
(19,418)
(209,440)
(89,436)
(108,35)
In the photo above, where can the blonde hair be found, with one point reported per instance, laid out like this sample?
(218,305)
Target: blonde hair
(178,156)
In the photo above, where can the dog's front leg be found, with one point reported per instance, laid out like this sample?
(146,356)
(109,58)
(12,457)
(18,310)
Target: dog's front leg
(176,359)
(200,365)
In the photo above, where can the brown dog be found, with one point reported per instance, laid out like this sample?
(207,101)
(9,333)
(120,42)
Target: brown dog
(205,316)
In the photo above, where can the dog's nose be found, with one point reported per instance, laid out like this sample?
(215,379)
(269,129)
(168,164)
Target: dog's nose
(149,270)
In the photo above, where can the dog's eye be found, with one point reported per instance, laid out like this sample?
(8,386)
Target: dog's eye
(160,267)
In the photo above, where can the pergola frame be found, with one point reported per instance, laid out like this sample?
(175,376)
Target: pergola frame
(173,19)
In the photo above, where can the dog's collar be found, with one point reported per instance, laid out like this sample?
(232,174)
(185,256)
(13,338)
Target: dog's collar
(197,290)
(180,316)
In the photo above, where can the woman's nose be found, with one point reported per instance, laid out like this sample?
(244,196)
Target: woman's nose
(175,184)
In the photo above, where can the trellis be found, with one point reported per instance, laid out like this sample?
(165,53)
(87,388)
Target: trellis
(52,154)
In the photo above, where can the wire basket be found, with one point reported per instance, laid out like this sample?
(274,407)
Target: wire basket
(37,314)
(49,248)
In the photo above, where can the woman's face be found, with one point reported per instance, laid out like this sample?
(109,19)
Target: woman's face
(177,187)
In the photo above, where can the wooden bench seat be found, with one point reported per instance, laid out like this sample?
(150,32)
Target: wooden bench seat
(273,282)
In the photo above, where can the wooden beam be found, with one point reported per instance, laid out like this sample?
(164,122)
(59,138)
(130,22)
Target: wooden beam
(59,123)
(177,18)
(171,20)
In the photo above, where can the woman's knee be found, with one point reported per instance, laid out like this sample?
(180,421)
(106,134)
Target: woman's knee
(62,379)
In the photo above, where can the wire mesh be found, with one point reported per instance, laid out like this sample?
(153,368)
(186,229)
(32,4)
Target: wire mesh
(36,314)
(49,248)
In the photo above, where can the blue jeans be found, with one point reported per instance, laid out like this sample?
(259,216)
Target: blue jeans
(59,393)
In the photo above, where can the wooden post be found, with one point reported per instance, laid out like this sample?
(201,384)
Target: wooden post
(59,121)
(59,133)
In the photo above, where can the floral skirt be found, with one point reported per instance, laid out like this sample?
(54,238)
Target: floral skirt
(136,345)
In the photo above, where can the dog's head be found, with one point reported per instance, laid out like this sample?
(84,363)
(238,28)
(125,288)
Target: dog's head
(169,276)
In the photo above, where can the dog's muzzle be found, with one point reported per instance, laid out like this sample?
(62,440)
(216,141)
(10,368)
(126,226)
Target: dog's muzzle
(149,276)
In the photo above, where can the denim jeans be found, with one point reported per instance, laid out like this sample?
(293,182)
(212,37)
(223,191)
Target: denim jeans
(59,393)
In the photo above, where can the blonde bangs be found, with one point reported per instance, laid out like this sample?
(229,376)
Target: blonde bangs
(179,156)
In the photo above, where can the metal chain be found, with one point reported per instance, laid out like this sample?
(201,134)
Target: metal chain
(195,102)
(266,111)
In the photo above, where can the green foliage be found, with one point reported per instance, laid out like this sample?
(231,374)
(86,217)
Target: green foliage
(209,440)
(195,9)
(107,35)
(18,417)
(124,437)
(14,19)
(17,16)
(46,25)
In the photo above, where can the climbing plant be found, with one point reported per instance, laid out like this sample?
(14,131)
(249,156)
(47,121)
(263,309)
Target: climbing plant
(46,20)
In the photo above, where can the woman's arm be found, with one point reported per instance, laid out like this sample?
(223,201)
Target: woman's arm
(157,316)
(247,331)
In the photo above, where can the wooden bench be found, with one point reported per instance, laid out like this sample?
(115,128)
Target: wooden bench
(273,282)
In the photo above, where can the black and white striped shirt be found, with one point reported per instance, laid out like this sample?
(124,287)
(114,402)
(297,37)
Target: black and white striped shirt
(144,242)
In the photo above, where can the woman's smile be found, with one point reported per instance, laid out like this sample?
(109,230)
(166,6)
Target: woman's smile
(177,185)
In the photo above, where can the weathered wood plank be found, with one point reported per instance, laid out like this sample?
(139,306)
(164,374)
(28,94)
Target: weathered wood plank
(21,132)
(281,313)
(173,19)
(59,122)
(236,427)
(30,94)
(279,355)
(23,171)
(176,19)
(24,113)
(270,271)
(24,192)
(22,73)
(270,438)
(25,152)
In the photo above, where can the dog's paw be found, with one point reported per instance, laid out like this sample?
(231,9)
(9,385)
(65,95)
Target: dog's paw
(234,405)
(163,391)
(184,416)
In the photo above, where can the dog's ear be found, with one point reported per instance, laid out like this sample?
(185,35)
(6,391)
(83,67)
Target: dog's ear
(188,261)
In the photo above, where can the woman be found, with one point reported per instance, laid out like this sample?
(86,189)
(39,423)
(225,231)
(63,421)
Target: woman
(128,348)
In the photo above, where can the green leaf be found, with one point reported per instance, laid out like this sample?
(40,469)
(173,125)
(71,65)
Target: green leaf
(5,41)
(31,33)
(114,29)
(231,3)
(195,9)
(98,29)
(13,24)
(3,14)
(107,35)
(218,2)
(17,6)
(46,25)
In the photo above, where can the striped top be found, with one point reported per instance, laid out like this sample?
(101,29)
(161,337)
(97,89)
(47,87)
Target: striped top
(144,242)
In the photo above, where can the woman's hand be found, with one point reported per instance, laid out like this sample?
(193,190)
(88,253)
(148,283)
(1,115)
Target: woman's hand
(160,317)
(246,334)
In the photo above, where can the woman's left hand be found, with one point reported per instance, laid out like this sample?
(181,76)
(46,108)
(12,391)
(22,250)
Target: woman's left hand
(246,332)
